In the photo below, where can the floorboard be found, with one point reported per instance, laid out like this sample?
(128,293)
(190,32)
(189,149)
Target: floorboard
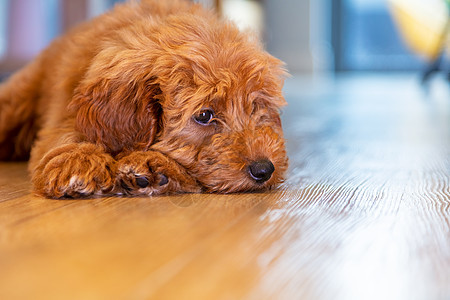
(364,214)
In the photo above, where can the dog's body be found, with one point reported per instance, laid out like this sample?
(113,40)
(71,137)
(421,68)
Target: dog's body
(150,98)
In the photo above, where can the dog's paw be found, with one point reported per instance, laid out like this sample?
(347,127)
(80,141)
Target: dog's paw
(152,173)
(74,170)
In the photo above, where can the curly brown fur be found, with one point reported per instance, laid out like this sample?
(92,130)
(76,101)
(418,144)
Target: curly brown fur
(113,107)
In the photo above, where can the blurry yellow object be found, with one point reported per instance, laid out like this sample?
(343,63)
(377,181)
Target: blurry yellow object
(422,24)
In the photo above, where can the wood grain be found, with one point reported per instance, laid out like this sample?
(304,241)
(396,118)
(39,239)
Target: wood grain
(364,214)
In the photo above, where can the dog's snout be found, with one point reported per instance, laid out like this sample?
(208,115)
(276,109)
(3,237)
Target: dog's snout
(261,170)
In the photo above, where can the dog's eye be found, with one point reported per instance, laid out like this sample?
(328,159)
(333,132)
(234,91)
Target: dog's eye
(204,117)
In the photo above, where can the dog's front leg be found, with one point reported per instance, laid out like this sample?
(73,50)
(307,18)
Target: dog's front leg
(74,170)
(153,173)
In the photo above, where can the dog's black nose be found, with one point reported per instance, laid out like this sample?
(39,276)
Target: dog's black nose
(261,170)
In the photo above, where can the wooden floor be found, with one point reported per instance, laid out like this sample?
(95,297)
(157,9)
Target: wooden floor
(364,214)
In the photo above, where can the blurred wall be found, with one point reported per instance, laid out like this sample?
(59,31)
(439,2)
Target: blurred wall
(287,33)
(287,29)
(30,26)
(27,26)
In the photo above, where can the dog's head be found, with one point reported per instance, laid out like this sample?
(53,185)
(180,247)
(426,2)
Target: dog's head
(195,89)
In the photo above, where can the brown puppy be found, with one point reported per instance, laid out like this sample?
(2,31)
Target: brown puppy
(153,97)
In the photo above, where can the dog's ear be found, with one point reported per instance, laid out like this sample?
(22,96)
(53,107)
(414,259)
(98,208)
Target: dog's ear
(119,110)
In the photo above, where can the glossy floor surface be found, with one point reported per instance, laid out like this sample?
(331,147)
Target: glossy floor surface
(364,214)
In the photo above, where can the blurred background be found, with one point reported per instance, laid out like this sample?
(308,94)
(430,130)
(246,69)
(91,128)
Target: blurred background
(314,37)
